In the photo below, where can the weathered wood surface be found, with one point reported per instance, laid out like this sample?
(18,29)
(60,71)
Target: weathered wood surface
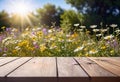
(59,69)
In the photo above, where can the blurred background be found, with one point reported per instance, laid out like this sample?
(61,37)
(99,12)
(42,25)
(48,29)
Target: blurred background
(24,13)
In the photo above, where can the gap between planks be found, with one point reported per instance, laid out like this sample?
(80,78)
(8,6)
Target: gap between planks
(9,60)
(18,67)
(105,64)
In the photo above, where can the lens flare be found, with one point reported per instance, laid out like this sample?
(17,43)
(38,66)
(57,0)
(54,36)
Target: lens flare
(21,9)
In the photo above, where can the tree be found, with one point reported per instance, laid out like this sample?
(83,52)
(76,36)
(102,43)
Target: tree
(96,11)
(70,17)
(58,18)
(22,22)
(4,19)
(48,14)
(32,19)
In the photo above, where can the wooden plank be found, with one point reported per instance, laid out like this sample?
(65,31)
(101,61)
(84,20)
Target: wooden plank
(106,65)
(116,58)
(92,68)
(111,60)
(61,69)
(2,57)
(67,67)
(70,71)
(95,72)
(43,67)
(7,60)
(6,69)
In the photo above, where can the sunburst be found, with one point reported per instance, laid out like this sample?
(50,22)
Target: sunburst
(22,9)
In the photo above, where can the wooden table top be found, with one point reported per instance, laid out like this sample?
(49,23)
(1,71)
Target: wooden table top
(59,69)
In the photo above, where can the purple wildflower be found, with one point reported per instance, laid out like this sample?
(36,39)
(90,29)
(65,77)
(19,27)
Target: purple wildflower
(0,50)
(1,38)
(5,49)
(36,45)
(114,44)
(33,33)
(8,29)
(45,31)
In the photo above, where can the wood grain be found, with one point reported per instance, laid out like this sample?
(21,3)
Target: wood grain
(93,69)
(106,65)
(2,57)
(111,60)
(70,71)
(67,67)
(36,67)
(59,69)
(7,60)
(6,69)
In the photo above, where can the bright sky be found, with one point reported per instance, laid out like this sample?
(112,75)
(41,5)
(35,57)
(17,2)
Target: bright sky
(9,5)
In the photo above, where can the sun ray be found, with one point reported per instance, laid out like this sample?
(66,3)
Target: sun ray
(22,10)
(29,21)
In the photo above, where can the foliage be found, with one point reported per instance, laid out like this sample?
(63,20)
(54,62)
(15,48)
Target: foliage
(4,19)
(48,14)
(106,11)
(70,17)
(20,22)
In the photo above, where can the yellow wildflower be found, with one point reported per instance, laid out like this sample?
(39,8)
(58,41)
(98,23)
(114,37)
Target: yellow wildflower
(80,54)
(103,47)
(52,38)
(40,33)
(3,27)
(86,54)
(31,48)
(112,51)
(42,47)
(74,35)
(93,51)
(85,49)
(14,51)
(87,32)
(60,39)
(23,43)
(34,38)
(84,42)
(53,46)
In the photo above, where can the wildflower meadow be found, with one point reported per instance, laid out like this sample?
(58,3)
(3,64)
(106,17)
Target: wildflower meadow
(41,41)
